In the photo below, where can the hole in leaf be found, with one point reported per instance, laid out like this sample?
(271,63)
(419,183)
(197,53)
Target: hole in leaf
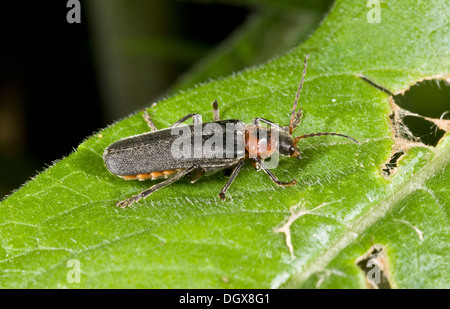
(374,266)
(391,165)
(428,99)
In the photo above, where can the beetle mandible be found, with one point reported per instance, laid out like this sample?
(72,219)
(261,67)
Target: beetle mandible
(149,156)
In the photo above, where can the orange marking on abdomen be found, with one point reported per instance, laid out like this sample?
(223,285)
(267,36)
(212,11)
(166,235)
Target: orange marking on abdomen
(152,175)
(129,177)
(169,172)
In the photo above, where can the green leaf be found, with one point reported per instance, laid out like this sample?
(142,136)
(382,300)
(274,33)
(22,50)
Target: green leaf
(184,237)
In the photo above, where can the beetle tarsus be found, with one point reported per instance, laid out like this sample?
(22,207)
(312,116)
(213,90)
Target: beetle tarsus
(221,195)
(293,182)
(129,201)
(215,111)
(149,121)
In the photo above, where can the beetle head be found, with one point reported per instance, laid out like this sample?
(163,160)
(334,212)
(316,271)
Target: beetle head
(287,145)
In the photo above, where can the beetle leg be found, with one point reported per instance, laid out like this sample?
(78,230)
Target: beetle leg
(215,111)
(144,194)
(257,122)
(273,177)
(149,121)
(197,119)
(236,171)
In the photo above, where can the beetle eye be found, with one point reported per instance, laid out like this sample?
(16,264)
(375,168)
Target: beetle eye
(292,150)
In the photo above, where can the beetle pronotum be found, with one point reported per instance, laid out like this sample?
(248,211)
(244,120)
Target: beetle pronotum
(150,156)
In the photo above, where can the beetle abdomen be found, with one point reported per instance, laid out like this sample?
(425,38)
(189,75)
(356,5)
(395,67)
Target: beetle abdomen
(142,154)
(151,153)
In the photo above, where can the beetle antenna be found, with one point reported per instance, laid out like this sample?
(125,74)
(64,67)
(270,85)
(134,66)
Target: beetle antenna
(295,116)
(322,133)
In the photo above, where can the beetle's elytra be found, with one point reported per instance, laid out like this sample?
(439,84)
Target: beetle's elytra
(156,154)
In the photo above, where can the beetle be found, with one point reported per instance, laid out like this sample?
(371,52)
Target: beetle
(150,155)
